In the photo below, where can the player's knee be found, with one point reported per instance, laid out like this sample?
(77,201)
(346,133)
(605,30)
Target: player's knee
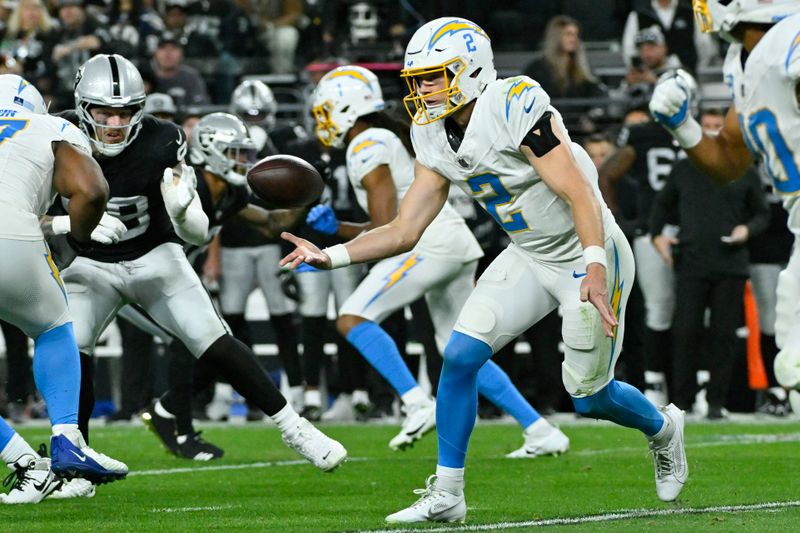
(593,405)
(465,354)
(345,323)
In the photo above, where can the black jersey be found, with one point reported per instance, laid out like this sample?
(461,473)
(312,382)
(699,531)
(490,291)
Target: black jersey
(656,153)
(134,180)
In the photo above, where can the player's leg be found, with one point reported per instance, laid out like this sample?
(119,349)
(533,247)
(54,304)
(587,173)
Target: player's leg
(764,279)
(657,282)
(588,368)
(787,332)
(492,316)
(315,287)
(281,314)
(445,303)
(34,299)
(170,291)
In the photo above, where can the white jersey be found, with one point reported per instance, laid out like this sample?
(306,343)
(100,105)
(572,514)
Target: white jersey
(769,115)
(448,236)
(26,169)
(490,168)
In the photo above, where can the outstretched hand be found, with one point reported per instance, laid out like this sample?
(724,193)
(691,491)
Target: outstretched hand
(304,252)
(595,290)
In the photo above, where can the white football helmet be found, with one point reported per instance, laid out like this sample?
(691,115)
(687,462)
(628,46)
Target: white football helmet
(17,93)
(457,49)
(220,142)
(254,102)
(341,96)
(723,15)
(109,81)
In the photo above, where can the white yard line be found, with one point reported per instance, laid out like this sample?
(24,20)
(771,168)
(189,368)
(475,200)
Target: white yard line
(192,509)
(605,517)
(214,468)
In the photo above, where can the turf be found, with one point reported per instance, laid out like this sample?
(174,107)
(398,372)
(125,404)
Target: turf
(607,470)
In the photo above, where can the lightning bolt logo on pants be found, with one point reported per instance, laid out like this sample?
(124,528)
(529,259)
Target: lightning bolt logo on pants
(396,275)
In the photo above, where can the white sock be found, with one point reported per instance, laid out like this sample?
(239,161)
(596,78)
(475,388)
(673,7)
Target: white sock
(286,419)
(541,424)
(181,438)
(413,396)
(313,398)
(16,449)
(160,411)
(450,479)
(70,431)
(360,396)
(666,430)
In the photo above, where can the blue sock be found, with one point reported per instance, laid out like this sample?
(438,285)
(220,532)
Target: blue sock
(457,398)
(6,433)
(496,386)
(381,352)
(622,404)
(57,372)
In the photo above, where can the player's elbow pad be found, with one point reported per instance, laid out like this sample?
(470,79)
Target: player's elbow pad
(192,224)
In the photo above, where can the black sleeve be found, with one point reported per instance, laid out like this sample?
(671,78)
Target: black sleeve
(665,203)
(757,205)
(171,142)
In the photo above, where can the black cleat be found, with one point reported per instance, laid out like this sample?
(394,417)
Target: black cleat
(164,429)
(198,449)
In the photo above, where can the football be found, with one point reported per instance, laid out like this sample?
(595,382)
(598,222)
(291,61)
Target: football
(285,181)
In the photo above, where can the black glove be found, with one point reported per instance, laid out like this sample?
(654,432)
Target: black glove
(324,169)
(64,249)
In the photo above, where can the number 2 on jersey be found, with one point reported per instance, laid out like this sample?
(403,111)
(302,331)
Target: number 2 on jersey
(10,127)
(501,196)
(764,118)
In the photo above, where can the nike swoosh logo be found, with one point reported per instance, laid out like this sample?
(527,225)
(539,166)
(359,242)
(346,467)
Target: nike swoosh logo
(576,275)
(41,486)
(530,106)
(416,430)
(326,455)
(81,458)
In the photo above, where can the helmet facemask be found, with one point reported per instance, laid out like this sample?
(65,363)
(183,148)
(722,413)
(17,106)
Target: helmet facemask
(328,131)
(95,130)
(226,150)
(415,103)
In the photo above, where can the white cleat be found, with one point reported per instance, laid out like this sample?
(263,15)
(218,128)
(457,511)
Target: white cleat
(434,505)
(319,449)
(669,455)
(420,419)
(341,410)
(541,438)
(31,481)
(73,488)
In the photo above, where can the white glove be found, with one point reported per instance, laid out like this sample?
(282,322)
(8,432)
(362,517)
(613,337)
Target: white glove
(108,231)
(178,197)
(787,367)
(670,106)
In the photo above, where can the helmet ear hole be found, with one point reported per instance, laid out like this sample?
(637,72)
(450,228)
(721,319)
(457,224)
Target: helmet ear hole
(345,109)
(476,73)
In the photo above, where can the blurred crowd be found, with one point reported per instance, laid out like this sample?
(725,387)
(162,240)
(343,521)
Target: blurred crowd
(599,61)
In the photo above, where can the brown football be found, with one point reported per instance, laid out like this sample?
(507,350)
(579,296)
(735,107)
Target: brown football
(285,181)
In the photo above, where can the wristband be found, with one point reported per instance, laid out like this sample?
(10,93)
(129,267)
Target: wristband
(689,134)
(594,254)
(60,224)
(338,255)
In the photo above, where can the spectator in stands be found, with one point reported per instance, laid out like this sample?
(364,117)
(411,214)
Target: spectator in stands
(182,82)
(369,30)
(132,22)
(676,21)
(716,221)
(69,46)
(161,105)
(562,68)
(599,147)
(280,22)
(28,28)
(197,40)
(653,58)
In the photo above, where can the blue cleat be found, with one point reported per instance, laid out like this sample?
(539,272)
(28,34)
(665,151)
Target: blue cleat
(71,460)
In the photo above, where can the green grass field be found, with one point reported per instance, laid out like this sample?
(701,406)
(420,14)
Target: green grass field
(260,485)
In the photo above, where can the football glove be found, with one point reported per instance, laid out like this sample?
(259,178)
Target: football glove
(108,231)
(671,107)
(178,197)
(323,219)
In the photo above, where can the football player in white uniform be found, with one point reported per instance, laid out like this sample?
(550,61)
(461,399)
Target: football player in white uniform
(762,69)
(348,107)
(41,156)
(503,143)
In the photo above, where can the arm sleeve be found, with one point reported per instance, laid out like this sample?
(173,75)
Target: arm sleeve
(192,226)
(524,102)
(665,203)
(173,140)
(757,205)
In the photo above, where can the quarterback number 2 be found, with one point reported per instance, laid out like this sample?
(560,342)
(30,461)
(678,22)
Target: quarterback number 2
(470,40)
(10,127)
(514,221)
(766,119)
